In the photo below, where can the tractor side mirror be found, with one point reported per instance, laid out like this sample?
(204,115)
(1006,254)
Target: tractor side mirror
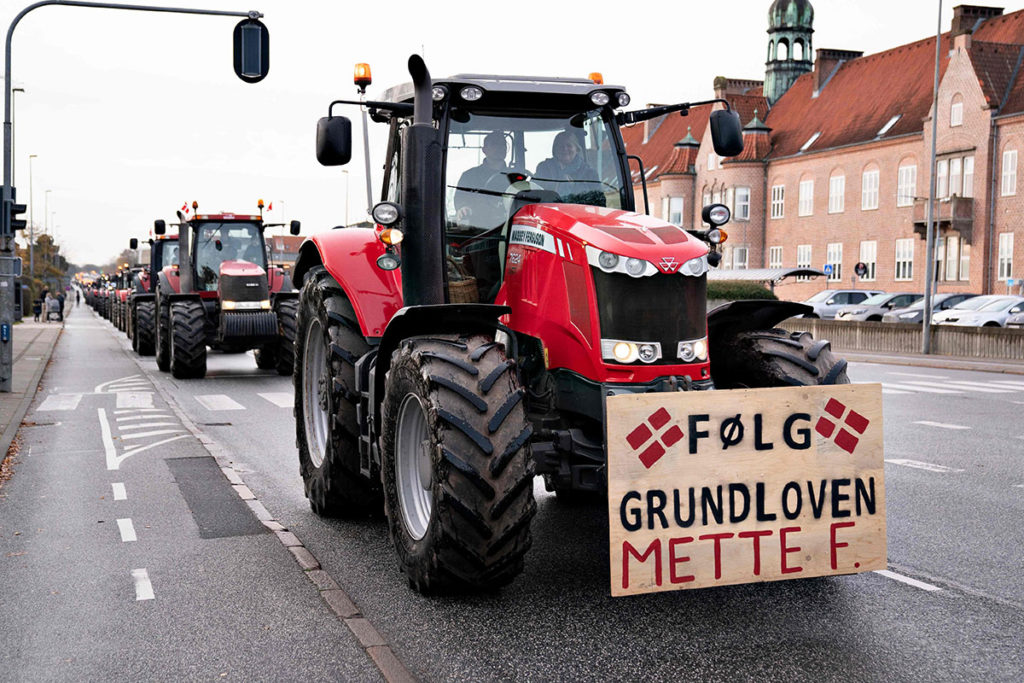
(133,243)
(295,227)
(159,227)
(333,141)
(726,132)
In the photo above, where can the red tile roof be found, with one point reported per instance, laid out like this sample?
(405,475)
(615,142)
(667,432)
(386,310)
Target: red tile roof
(995,64)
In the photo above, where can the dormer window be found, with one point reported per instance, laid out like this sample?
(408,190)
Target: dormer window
(956,111)
(889,124)
(810,141)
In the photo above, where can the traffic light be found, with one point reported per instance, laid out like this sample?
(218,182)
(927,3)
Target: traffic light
(17,223)
(9,213)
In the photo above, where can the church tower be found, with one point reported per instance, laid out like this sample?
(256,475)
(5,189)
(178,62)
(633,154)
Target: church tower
(789,45)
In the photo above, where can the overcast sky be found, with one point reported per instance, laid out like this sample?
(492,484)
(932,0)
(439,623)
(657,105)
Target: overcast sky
(132,114)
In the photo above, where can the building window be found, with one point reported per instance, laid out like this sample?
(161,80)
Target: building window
(905,259)
(1009,186)
(778,201)
(956,114)
(1005,255)
(965,261)
(869,257)
(713,161)
(739,257)
(675,210)
(869,190)
(942,178)
(742,212)
(834,258)
(952,257)
(806,205)
(956,168)
(906,185)
(836,192)
(940,253)
(968,177)
(803,260)
(774,257)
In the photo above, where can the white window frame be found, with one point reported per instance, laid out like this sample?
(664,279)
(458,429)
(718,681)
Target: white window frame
(836,193)
(906,185)
(742,212)
(952,258)
(803,260)
(806,204)
(775,257)
(740,257)
(778,208)
(942,178)
(1005,256)
(969,176)
(672,204)
(1008,187)
(965,261)
(834,258)
(940,258)
(869,190)
(869,257)
(904,259)
(956,176)
(956,114)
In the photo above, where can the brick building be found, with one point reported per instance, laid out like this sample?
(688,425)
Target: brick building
(835,169)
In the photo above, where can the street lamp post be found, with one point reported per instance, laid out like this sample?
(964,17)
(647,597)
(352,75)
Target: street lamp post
(14,110)
(31,232)
(926,323)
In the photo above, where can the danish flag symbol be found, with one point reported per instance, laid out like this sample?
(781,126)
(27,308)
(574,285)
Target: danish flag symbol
(844,438)
(639,437)
(669,263)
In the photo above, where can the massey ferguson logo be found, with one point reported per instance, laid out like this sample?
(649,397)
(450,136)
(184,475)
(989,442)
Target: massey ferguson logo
(668,263)
(643,433)
(854,420)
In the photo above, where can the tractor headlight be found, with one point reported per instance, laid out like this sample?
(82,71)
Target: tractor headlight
(623,99)
(627,352)
(386,213)
(439,92)
(388,261)
(471,93)
(635,267)
(695,266)
(600,98)
(245,305)
(693,350)
(608,260)
(716,214)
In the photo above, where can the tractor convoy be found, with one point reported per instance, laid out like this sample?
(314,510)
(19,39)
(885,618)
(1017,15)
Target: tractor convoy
(209,285)
(467,342)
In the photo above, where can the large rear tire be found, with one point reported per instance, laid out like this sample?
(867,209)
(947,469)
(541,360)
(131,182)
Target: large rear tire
(266,356)
(287,315)
(145,329)
(188,340)
(775,358)
(457,471)
(326,426)
(163,338)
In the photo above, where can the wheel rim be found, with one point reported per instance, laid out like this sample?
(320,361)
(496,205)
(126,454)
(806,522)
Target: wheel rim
(413,467)
(315,393)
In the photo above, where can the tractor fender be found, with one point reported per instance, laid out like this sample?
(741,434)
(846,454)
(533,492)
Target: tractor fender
(350,256)
(730,319)
(413,321)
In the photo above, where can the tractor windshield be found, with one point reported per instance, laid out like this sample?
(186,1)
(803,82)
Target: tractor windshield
(220,242)
(569,158)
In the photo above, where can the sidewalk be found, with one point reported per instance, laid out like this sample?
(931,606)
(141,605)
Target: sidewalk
(1006,365)
(33,345)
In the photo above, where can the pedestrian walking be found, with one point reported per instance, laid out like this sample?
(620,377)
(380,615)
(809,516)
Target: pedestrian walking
(60,303)
(78,297)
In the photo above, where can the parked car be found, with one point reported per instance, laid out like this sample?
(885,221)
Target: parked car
(874,307)
(1016,321)
(992,312)
(828,301)
(914,313)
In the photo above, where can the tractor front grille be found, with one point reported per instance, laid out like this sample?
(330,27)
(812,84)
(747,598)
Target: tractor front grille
(248,324)
(659,308)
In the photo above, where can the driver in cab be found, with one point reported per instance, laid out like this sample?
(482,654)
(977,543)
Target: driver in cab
(484,209)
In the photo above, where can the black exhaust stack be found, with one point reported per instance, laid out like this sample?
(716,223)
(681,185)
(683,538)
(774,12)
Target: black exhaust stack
(184,255)
(422,198)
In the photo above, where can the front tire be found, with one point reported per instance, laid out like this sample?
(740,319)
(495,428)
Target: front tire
(266,356)
(144,329)
(775,358)
(457,472)
(287,315)
(326,427)
(163,338)
(188,340)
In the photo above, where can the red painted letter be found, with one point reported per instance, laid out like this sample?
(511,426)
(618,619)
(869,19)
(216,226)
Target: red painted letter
(756,535)
(788,549)
(627,550)
(832,539)
(674,560)
(717,538)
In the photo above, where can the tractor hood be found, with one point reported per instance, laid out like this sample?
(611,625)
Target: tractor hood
(240,268)
(631,235)
(242,281)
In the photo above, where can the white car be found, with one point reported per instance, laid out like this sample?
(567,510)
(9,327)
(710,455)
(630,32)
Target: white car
(990,310)
(826,302)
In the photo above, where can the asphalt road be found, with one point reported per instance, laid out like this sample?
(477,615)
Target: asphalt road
(949,610)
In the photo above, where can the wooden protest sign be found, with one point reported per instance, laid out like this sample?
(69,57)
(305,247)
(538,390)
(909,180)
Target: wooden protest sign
(708,488)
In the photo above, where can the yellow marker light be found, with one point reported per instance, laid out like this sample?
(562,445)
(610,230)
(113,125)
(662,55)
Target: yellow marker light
(392,236)
(259,204)
(195,205)
(596,77)
(362,77)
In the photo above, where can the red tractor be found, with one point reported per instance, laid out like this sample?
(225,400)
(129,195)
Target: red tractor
(163,250)
(223,294)
(468,341)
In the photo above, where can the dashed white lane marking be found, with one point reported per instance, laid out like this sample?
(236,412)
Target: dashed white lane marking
(60,402)
(219,402)
(887,390)
(145,435)
(957,387)
(1018,486)
(148,425)
(127,530)
(135,399)
(1008,383)
(282,399)
(907,580)
(972,386)
(143,586)
(918,374)
(941,425)
(917,464)
(120,493)
(927,390)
